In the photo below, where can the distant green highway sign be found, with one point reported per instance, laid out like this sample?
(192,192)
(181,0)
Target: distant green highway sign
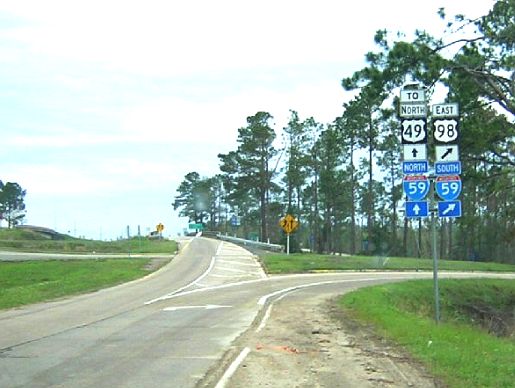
(196,226)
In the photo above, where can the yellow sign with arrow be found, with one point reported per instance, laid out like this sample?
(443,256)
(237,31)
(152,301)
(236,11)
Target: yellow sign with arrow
(289,223)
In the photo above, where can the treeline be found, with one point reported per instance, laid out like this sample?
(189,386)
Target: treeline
(343,179)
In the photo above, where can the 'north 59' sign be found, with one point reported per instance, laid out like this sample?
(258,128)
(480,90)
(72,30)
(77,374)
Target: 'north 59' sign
(416,187)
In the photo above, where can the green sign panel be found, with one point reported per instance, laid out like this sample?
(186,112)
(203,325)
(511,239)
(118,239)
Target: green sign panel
(196,226)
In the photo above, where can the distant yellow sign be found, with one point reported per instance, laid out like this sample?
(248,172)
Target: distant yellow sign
(160,227)
(289,223)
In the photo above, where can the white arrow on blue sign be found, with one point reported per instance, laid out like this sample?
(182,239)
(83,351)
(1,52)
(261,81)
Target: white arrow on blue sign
(416,209)
(448,187)
(416,187)
(449,209)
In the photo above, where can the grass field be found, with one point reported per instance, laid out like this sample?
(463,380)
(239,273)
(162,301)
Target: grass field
(35,281)
(280,263)
(28,282)
(28,241)
(464,350)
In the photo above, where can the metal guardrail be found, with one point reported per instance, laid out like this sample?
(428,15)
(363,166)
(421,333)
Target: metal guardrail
(245,243)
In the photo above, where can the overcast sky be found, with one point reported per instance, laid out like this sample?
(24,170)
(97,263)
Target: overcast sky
(106,105)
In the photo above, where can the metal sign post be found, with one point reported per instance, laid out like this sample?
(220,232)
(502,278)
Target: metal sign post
(435,268)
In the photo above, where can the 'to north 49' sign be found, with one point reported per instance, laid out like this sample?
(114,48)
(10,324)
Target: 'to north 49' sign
(414,131)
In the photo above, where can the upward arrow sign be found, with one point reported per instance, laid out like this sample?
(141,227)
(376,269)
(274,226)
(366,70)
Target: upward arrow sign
(414,152)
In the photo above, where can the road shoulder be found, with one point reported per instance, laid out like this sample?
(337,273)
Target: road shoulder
(312,343)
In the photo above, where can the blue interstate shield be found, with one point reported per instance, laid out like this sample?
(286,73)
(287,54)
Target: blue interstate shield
(448,188)
(416,187)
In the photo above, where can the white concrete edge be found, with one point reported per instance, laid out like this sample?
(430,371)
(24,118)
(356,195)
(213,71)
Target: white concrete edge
(222,383)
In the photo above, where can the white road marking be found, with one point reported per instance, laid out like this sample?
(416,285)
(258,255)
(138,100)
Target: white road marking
(264,298)
(212,288)
(230,269)
(219,248)
(238,263)
(167,296)
(390,276)
(206,307)
(262,324)
(268,312)
(232,368)
(224,276)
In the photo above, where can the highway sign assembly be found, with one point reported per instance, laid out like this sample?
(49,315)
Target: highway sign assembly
(235,220)
(449,209)
(196,226)
(416,187)
(448,188)
(447,167)
(417,209)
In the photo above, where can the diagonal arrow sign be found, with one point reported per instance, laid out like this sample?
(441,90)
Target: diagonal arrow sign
(447,152)
(449,209)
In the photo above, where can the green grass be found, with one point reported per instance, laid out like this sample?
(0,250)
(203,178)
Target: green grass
(459,350)
(280,263)
(28,282)
(28,241)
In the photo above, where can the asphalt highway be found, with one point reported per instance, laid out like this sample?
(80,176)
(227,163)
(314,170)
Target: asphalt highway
(170,329)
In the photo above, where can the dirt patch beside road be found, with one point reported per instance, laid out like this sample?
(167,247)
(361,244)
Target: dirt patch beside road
(310,342)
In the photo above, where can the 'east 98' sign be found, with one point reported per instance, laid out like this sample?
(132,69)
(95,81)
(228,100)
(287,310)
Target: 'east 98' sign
(446,130)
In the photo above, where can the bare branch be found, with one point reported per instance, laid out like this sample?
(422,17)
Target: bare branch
(438,48)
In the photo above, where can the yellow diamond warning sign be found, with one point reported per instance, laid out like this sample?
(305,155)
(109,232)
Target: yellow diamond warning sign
(289,223)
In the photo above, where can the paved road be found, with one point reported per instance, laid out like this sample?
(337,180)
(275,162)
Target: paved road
(167,330)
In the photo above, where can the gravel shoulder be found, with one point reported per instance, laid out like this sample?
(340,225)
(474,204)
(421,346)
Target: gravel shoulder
(309,342)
